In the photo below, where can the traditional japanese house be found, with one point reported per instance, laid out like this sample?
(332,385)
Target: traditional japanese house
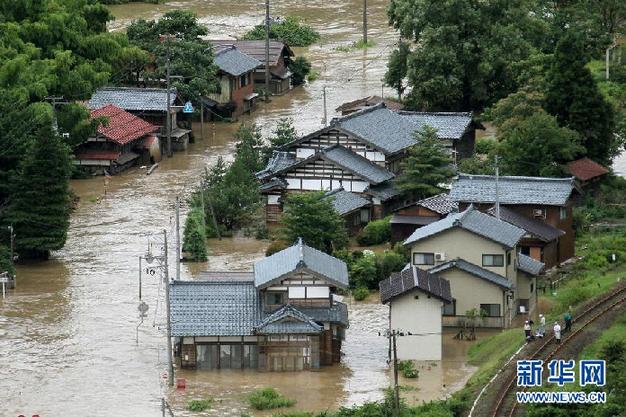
(416,299)
(280,57)
(354,208)
(586,171)
(282,316)
(365,102)
(149,104)
(414,215)
(118,144)
(546,200)
(236,79)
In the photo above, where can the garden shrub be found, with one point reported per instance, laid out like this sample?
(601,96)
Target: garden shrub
(407,369)
(375,232)
(389,262)
(364,272)
(276,246)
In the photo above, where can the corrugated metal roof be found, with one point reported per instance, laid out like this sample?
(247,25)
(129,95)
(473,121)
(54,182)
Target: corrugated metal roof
(234,62)
(132,99)
(529,265)
(346,202)
(288,320)
(474,221)
(535,227)
(414,278)
(475,270)
(512,190)
(300,257)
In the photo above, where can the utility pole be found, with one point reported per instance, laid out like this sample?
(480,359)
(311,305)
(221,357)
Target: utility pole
(267,50)
(365,23)
(166,275)
(177,238)
(396,387)
(325,120)
(202,118)
(168,121)
(497,158)
(140,278)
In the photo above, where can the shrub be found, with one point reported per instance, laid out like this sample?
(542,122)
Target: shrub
(199,405)
(407,369)
(276,246)
(389,262)
(290,30)
(300,69)
(268,398)
(194,236)
(360,293)
(375,232)
(364,272)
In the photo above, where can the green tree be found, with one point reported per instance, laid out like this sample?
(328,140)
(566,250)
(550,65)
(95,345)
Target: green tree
(290,30)
(6,263)
(130,64)
(249,148)
(397,68)
(299,68)
(39,206)
(194,236)
(314,219)
(283,133)
(573,97)
(427,167)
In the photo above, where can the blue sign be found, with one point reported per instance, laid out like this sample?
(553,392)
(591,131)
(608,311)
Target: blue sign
(188,107)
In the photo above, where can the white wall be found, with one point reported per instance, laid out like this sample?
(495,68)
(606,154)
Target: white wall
(418,316)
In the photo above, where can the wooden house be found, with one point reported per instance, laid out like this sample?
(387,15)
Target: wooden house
(365,102)
(236,81)
(118,144)
(586,171)
(354,208)
(546,200)
(411,216)
(280,57)
(282,316)
(416,299)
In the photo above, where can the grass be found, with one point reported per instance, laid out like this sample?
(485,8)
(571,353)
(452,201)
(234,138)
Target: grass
(200,405)
(268,398)
(355,45)
(617,332)
(407,369)
(313,75)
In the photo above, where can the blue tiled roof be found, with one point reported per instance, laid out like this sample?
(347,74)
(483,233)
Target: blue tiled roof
(512,190)
(475,270)
(474,221)
(214,308)
(277,162)
(288,320)
(393,131)
(384,191)
(132,99)
(300,257)
(346,202)
(359,165)
(234,62)
(529,265)
(414,278)
(338,313)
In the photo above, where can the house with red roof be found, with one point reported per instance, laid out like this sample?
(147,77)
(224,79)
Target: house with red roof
(119,143)
(586,170)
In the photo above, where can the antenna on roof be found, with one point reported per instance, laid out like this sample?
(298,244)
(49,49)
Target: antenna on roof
(497,160)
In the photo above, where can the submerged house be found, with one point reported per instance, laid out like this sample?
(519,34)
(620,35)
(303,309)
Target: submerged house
(365,102)
(282,316)
(119,144)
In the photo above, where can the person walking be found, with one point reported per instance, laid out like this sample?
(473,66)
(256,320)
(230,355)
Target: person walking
(527,330)
(541,331)
(568,322)
(557,332)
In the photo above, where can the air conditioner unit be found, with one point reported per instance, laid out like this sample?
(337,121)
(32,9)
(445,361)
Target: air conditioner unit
(539,213)
(440,256)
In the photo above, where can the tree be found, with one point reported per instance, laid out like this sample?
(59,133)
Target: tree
(6,263)
(397,68)
(130,64)
(299,68)
(573,97)
(313,218)
(39,206)
(194,236)
(427,167)
(290,31)
(283,133)
(249,147)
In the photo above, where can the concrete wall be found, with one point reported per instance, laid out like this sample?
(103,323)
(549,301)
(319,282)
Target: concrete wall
(470,291)
(421,315)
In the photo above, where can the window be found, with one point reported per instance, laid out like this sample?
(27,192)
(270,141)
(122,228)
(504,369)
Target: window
(423,258)
(525,250)
(449,309)
(274,298)
(563,213)
(492,310)
(244,80)
(493,260)
(532,287)
(508,258)
(365,216)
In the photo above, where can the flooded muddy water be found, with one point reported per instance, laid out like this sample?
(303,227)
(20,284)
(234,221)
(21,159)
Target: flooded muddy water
(67,332)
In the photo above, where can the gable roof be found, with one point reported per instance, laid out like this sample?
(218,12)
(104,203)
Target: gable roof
(234,62)
(132,98)
(512,190)
(475,270)
(541,230)
(300,257)
(414,278)
(279,161)
(473,221)
(393,131)
(256,49)
(214,308)
(288,320)
(529,265)
(384,191)
(346,202)
(585,169)
(439,203)
(356,163)
(123,127)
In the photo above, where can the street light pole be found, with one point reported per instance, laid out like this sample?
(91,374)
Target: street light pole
(166,275)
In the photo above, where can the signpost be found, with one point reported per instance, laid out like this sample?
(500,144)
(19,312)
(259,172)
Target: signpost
(4,279)
(188,107)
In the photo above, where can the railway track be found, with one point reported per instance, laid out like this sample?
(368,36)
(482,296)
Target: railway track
(505,404)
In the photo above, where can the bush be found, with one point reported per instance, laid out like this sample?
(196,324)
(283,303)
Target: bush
(276,246)
(290,30)
(407,369)
(268,398)
(389,262)
(364,272)
(360,293)
(199,405)
(194,236)
(300,69)
(375,232)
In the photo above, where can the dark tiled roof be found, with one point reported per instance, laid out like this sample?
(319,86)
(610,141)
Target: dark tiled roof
(439,203)
(416,220)
(206,308)
(393,131)
(414,278)
(384,191)
(288,320)
(122,126)
(274,183)
(226,276)
(475,270)
(368,101)
(585,169)
(535,227)
(277,162)
(297,257)
(234,62)
(512,190)
(338,313)
(359,165)
(132,99)
(529,265)
(474,221)
(346,202)
(256,49)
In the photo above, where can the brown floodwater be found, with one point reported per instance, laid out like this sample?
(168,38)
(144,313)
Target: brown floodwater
(67,332)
